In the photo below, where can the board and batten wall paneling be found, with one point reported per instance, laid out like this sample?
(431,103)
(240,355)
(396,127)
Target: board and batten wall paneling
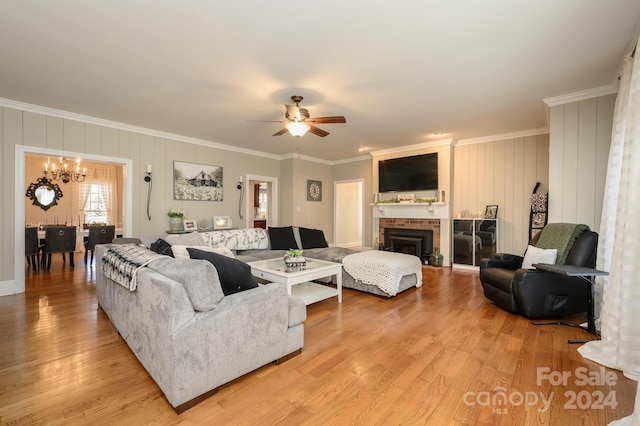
(39,130)
(580,137)
(502,172)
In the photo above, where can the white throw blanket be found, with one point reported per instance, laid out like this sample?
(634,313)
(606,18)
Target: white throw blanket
(121,263)
(383,269)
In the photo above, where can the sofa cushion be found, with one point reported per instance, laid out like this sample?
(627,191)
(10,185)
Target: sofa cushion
(161,247)
(535,255)
(235,275)
(282,238)
(180,251)
(147,240)
(199,278)
(312,238)
(190,239)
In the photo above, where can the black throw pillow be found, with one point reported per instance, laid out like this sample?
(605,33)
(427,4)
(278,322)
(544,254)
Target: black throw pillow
(235,275)
(282,238)
(312,238)
(161,247)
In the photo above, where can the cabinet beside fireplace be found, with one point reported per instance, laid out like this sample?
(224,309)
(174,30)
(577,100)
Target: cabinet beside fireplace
(472,240)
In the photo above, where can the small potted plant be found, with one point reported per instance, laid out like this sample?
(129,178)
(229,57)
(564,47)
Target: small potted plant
(293,257)
(176,215)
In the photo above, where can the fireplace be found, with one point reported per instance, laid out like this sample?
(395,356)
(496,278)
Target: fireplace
(418,242)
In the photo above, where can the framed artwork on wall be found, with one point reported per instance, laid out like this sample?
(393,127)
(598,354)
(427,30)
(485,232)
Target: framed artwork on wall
(314,190)
(197,182)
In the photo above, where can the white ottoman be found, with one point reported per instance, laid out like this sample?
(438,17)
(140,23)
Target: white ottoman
(383,269)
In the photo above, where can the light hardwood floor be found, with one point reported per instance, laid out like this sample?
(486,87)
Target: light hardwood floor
(435,355)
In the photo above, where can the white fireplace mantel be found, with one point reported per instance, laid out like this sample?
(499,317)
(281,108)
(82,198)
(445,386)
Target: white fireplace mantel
(411,210)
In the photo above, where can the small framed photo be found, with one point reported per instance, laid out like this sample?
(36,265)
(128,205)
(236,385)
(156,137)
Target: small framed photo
(190,225)
(491,212)
(221,222)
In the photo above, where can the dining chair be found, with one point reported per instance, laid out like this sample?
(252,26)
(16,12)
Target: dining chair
(32,247)
(59,239)
(98,234)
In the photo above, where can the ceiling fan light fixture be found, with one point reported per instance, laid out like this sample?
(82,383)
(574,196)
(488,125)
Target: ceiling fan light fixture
(297,128)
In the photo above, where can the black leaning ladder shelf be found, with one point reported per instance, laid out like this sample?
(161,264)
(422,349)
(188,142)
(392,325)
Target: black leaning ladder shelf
(539,207)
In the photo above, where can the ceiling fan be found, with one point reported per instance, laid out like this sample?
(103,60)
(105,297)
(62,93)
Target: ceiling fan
(299,121)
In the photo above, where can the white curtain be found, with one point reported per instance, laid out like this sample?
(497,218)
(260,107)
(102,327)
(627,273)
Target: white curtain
(619,244)
(106,177)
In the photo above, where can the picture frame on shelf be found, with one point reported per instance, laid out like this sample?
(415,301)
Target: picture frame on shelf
(190,225)
(222,222)
(491,212)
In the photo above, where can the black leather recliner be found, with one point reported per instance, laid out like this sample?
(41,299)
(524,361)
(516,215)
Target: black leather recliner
(537,294)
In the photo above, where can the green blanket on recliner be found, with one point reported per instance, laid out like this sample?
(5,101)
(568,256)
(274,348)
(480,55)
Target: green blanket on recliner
(560,236)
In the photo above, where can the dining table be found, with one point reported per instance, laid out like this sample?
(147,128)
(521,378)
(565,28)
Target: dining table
(81,234)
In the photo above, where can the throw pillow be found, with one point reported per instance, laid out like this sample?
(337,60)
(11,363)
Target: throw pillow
(282,238)
(235,275)
(312,238)
(537,255)
(180,251)
(191,239)
(161,247)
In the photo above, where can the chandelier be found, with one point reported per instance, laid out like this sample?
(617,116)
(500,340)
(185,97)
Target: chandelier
(64,171)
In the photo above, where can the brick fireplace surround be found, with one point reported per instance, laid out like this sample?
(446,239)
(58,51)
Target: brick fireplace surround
(432,224)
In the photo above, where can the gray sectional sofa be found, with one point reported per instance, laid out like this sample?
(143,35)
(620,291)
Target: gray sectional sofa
(251,244)
(189,336)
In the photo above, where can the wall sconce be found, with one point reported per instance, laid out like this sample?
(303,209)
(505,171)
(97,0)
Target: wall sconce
(148,179)
(241,188)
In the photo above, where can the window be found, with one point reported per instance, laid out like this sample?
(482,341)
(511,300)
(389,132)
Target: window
(95,209)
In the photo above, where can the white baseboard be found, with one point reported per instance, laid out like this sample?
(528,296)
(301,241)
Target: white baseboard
(10,287)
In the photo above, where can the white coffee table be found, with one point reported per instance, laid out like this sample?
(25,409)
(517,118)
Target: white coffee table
(297,279)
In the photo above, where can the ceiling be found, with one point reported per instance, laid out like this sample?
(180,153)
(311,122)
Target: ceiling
(400,72)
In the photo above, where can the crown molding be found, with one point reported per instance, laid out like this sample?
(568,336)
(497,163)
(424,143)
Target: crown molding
(609,89)
(399,149)
(504,136)
(37,109)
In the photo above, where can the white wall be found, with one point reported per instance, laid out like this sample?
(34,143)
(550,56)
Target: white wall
(502,172)
(578,154)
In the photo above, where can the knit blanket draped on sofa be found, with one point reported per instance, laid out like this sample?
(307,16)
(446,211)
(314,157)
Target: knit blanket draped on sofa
(122,262)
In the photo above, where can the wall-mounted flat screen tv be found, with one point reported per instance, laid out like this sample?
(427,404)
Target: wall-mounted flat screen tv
(415,173)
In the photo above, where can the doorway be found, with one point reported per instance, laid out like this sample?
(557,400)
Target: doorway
(19,204)
(348,213)
(261,208)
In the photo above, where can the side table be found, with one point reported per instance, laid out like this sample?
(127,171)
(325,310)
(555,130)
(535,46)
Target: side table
(585,274)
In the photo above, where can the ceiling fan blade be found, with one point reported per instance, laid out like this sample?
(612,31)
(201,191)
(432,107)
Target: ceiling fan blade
(281,132)
(293,112)
(318,132)
(333,119)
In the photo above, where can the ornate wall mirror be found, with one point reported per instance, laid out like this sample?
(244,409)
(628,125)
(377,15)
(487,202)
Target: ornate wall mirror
(44,193)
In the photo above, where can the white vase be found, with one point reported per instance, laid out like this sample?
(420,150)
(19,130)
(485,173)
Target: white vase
(175,224)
